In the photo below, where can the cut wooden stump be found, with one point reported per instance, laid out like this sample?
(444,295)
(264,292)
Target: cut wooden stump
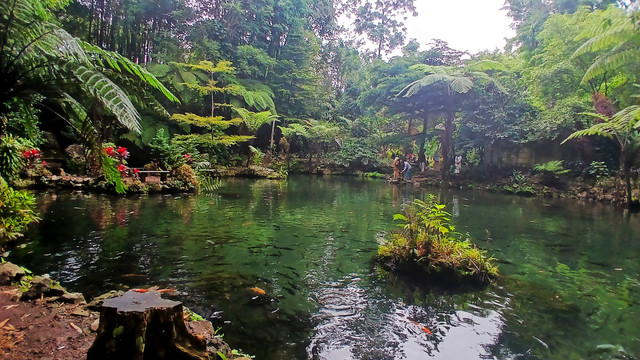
(144,326)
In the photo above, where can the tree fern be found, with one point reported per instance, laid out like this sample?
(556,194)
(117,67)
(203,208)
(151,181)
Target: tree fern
(121,63)
(255,120)
(109,95)
(610,61)
(293,130)
(206,121)
(618,40)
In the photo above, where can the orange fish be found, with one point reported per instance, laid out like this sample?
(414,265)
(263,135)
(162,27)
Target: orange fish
(140,290)
(423,328)
(258,291)
(161,291)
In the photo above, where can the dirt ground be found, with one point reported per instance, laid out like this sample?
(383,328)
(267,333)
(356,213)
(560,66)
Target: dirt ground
(43,330)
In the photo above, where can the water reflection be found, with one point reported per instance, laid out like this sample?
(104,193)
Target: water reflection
(570,283)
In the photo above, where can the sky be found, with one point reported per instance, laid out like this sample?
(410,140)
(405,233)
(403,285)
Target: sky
(469,25)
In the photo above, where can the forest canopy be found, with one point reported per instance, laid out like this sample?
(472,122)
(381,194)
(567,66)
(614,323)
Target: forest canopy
(322,84)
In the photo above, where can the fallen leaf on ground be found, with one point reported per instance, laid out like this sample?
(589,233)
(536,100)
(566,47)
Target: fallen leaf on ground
(76,327)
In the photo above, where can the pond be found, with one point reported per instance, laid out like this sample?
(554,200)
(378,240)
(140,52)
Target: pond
(570,285)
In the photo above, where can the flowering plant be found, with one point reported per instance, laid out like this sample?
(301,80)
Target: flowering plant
(32,156)
(119,155)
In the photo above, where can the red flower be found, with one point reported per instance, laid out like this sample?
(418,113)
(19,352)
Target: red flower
(44,163)
(109,150)
(31,155)
(135,171)
(186,156)
(122,168)
(122,152)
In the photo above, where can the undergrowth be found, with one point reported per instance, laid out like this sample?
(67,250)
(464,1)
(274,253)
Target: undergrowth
(429,242)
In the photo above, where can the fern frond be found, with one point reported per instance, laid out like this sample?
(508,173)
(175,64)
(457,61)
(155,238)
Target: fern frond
(486,65)
(602,129)
(607,39)
(255,120)
(294,129)
(461,85)
(629,117)
(608,62)
(108,94)
(121,64)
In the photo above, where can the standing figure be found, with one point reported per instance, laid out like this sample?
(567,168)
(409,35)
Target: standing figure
(396,168)
(458,164)
(406,172)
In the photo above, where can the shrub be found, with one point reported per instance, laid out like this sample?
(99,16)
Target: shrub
(10,157)
(256,155)
(429,242)
(556,167)
(598,169)
(16,212)
(184,178)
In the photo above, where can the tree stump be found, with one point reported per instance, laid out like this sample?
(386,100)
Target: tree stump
(144,326)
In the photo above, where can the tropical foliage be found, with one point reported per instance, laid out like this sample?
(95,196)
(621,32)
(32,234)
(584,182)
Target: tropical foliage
(429,241)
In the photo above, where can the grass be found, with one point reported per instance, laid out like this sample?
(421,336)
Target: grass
(428,243)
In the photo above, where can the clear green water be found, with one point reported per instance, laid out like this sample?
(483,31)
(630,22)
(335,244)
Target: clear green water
(570,271)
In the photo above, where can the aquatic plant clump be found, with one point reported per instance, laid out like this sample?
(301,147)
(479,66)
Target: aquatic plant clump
(428,243)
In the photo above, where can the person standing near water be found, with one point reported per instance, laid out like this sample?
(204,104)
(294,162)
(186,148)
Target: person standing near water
(396,168)
(406,172)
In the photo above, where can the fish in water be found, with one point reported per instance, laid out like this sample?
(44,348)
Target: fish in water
(135,275)
(140,290)
(257,291)
(423,328)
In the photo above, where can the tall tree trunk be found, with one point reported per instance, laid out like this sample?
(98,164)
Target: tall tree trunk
(624,167)
(273,128)
(91,15)
(447,141)
(425,124)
